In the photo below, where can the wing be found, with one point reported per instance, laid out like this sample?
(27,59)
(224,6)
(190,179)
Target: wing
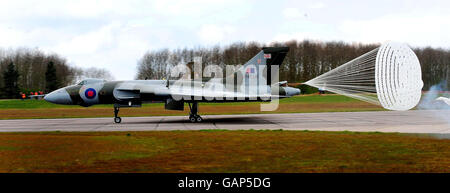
(217,92)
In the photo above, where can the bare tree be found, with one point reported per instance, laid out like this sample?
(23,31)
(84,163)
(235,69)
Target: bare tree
(32,64)
(305,60)
(92,72)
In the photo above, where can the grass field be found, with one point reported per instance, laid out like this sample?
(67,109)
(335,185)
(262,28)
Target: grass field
(214,150)
(17,109)
(222,151)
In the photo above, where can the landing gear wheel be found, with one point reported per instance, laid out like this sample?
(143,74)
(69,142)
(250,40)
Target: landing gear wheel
(193,116)
(117,119)
(193,119)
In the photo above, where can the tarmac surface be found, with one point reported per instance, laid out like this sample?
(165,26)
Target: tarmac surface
(417,121)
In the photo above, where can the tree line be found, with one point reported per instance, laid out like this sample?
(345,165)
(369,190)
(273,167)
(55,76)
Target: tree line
(29,70)
(24,69)
(304,61)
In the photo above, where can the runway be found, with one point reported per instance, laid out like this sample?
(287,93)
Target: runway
(429,121)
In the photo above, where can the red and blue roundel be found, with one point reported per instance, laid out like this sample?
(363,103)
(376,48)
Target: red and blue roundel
(90,93)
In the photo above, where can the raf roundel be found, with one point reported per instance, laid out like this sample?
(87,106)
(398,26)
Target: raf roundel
(90,93)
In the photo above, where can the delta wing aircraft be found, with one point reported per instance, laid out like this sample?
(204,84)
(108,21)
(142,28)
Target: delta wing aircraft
(256,80)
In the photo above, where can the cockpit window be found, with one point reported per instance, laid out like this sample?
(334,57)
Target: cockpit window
(90,81)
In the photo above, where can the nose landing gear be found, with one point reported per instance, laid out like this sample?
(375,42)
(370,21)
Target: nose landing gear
(116,112)
(193,116)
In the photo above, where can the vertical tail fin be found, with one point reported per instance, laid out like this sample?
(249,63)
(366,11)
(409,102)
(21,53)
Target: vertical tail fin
(274,56)
(263,61)
(256,75)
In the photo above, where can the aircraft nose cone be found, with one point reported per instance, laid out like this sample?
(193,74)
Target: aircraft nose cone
(59,96)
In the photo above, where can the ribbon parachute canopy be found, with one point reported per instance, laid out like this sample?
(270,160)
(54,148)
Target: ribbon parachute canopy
(389,76)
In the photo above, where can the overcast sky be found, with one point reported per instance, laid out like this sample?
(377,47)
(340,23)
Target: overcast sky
(114,35)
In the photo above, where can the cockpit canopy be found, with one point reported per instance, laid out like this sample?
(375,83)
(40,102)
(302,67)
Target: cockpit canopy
(90,81)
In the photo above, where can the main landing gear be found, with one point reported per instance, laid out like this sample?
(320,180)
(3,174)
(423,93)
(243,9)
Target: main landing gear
(193,116)
(116,112)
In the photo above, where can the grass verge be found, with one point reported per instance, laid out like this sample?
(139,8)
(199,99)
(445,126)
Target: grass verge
(222,151)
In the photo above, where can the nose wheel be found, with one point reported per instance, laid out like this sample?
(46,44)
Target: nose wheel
(117,119)
(193,116)
(116,112)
